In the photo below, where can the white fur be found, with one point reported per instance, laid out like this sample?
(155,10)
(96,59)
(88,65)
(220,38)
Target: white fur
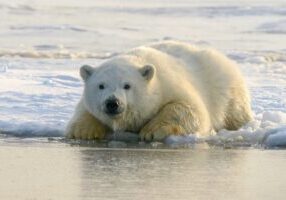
(207,82)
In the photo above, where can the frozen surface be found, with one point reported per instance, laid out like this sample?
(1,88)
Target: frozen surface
(44,43)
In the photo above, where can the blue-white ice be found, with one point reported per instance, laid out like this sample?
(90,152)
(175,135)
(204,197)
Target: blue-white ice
(43,44)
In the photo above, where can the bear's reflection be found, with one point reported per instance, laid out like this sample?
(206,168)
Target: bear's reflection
(158,174)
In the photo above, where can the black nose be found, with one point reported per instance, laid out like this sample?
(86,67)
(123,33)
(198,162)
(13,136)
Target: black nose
(112,106)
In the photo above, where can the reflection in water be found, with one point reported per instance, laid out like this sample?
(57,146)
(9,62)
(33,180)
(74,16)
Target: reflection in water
(190,174)
(57,171)
(160,174)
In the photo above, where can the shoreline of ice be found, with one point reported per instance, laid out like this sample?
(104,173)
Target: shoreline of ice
(260,133)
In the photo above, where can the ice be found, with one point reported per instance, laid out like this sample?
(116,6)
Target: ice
(267,131)
(276,138)
(31,129)
(276,27)
(39,59)
(181,140)
(50,27)
(273,118)
(54,54)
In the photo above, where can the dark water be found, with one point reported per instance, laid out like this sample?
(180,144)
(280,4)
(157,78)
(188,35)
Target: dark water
(40,170)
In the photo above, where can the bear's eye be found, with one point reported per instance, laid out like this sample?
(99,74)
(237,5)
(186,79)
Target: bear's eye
(126,86)
(101,86)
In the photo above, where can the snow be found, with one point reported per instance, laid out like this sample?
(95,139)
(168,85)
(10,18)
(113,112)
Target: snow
(276,27)
(39,59)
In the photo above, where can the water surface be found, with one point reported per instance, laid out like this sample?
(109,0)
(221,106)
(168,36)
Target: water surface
(60,171)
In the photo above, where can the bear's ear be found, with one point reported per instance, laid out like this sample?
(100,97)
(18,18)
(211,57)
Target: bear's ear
(147,71)
(86,71)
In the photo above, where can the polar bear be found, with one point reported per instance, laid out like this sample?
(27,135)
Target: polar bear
(166,88)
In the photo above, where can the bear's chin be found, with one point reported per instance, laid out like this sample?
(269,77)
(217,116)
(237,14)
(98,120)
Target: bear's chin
(116,122)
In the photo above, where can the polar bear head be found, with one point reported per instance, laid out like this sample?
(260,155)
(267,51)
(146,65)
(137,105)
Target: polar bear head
(121,92)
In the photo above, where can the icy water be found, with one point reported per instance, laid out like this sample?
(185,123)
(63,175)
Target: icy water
(43,44)
(59,171)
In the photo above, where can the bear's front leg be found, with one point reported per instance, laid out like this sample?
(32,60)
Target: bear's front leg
(86,127)
(174,119)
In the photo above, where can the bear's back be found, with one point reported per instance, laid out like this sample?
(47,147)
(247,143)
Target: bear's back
(181,64)
(211,73)
(206,69)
